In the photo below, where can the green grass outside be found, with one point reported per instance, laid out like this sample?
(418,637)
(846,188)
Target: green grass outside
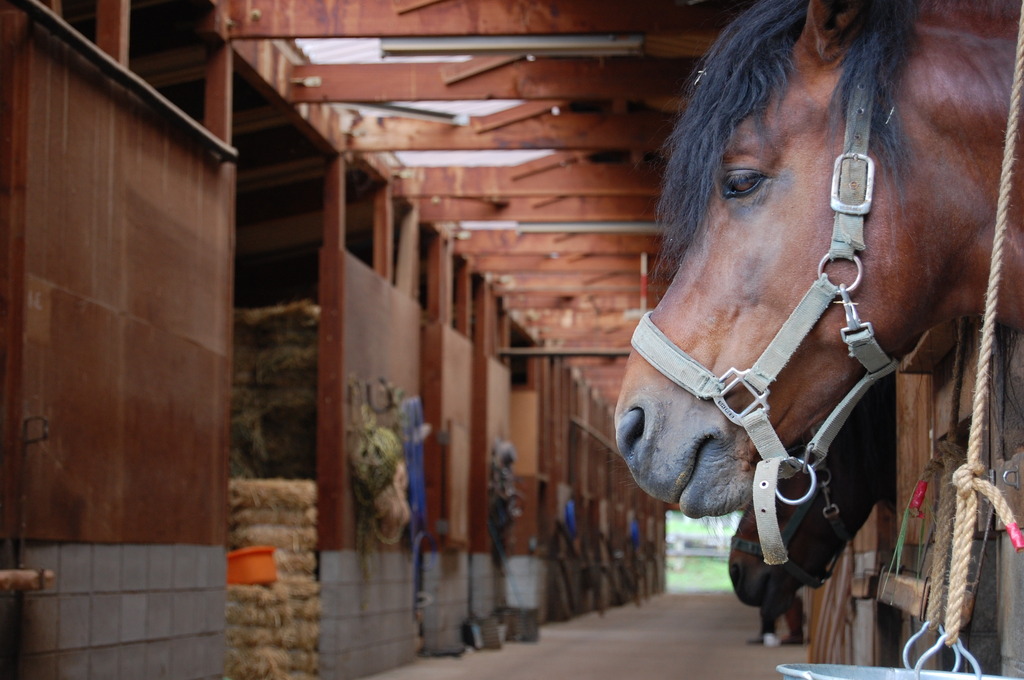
(698,574)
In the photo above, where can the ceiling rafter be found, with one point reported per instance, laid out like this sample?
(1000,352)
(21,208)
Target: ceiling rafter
(512,242)
(642,131)
(571,209)
(578,179)
(594,264)
(374,18)
(574,79)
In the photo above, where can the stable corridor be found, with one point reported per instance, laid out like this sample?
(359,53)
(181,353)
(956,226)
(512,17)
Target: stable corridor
(698,636)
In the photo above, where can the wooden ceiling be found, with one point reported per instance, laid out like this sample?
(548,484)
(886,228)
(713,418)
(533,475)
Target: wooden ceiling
(568,289)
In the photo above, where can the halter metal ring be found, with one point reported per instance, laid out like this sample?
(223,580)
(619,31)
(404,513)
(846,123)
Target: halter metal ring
(809,469)
(860,271)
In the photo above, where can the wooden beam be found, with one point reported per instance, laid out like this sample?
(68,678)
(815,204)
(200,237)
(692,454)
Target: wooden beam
(564,352)
(511,242)
(539,263)
(269,71)
(375,18)
(568,209)
(573,79)
(454,72)
(576,179)
(112,23)
(522,285)
(26,579)
(578,298)
(584,131)
(518,113)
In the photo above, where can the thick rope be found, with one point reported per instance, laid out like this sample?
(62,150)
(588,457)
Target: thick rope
(968,479)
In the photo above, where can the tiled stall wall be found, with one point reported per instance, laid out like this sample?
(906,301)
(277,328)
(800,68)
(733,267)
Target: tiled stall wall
(486,586)
(367,623)
(125,612)
(447,586)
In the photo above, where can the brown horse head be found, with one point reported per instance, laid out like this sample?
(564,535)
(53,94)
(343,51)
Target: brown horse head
(861,472)
(748,218)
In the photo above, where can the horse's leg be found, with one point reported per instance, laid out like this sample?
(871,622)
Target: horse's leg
(767,634)
(795,622)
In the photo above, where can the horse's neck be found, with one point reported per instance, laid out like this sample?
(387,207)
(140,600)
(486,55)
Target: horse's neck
(960,79)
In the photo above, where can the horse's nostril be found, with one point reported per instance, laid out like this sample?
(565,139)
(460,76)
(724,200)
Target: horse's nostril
(735,573)
(630,430)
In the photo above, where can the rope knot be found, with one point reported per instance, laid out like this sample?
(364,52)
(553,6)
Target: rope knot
(963,479)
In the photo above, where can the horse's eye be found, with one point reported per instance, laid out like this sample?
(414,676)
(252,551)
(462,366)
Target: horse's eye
(741,183)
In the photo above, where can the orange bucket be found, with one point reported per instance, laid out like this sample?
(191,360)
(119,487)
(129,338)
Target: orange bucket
(250,566)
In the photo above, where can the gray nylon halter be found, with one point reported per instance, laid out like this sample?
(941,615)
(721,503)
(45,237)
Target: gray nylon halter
(852,184)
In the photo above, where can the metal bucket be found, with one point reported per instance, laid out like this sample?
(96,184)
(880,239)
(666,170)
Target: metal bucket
(830,671)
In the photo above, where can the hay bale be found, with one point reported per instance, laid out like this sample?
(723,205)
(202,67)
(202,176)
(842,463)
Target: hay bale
(287,538)
(299,675)
(301,636)
(249,615)
(291,323)
(304,662)
(308,610)
(290,563)
(281,494)
(244,637)
(299,588)
(257,595)
(281,516)
(274,399)
(257,663)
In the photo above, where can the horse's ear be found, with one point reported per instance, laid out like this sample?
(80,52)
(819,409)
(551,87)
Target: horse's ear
(830,26)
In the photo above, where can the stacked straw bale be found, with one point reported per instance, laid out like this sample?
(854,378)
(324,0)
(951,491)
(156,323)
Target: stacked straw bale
(273,396)
(273,631)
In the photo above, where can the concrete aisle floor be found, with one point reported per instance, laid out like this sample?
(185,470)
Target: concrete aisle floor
(698,637)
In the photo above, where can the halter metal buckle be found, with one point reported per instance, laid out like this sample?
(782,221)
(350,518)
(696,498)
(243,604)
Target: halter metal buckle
(864,207)
(734,377)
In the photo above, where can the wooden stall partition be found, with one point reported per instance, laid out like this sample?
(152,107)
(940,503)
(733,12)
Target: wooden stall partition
(491,423)
(381,343)
(127,274)
(447,406)
(524,416)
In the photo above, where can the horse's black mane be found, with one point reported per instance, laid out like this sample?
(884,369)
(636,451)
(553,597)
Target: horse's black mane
(747,65)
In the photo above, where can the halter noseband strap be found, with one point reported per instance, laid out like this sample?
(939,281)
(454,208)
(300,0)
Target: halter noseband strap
(850,198)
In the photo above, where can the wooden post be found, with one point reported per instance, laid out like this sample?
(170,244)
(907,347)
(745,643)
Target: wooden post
(112,24)
(384,234)
(332,470)
(14,127)
(480,462)
(463,296)
(407,271)
(439,279)
(218,96)
(26,579)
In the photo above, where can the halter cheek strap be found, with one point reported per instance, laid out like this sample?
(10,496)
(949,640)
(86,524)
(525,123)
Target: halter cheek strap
(850,198)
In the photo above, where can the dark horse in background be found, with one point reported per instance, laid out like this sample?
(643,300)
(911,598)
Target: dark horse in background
(747,217)
(861,472)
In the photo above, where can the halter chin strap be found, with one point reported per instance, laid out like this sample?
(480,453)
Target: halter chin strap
(850,198)
(830,512)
